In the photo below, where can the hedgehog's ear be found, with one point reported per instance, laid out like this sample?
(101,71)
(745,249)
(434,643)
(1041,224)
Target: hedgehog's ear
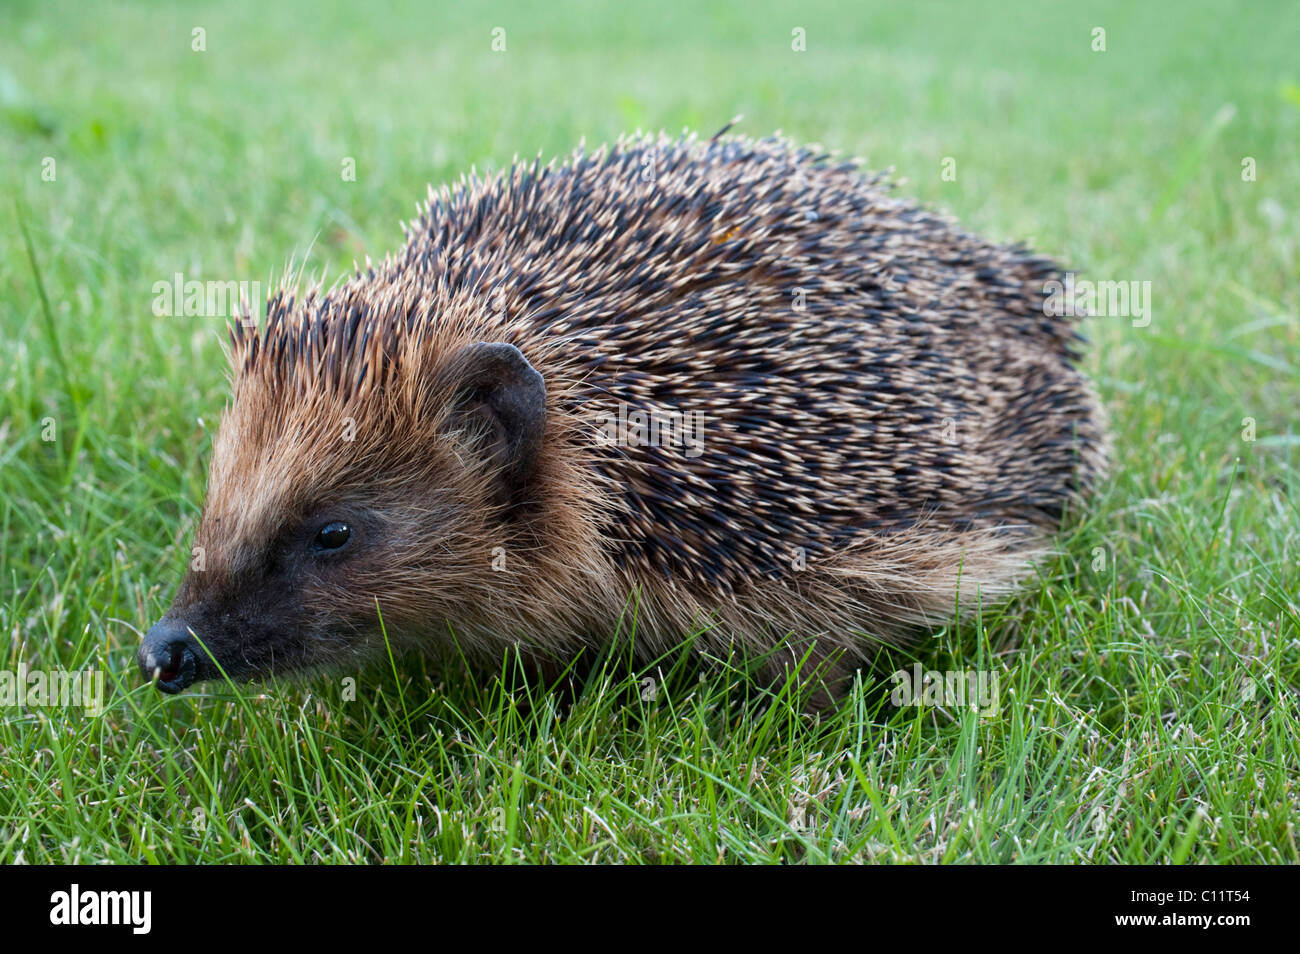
(501,399)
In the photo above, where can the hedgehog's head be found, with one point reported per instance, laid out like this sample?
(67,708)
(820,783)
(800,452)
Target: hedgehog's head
(355,476)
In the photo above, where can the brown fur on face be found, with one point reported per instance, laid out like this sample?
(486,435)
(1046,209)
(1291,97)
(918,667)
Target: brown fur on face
(892,426)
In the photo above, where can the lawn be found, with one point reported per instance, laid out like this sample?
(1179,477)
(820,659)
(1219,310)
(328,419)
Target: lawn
(1149,677)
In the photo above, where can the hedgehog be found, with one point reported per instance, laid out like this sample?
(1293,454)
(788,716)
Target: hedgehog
(723,392)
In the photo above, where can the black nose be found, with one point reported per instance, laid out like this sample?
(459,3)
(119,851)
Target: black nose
(170,653)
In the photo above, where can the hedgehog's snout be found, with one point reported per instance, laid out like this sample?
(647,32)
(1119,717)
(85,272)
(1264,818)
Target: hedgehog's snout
(169,653)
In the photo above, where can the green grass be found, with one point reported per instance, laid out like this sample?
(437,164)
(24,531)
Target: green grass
(1149,703)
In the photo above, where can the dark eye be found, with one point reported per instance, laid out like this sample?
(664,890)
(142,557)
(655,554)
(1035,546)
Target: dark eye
(333,535)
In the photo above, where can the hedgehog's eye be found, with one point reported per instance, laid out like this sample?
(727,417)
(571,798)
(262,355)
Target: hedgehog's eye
(333,535)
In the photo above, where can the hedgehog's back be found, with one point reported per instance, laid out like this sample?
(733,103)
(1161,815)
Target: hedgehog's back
(863,368)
